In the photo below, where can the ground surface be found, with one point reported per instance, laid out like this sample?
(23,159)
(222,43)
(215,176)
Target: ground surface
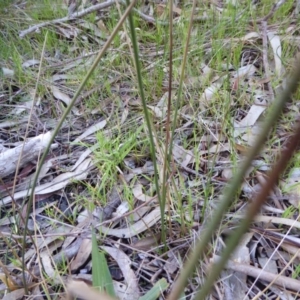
(99,172)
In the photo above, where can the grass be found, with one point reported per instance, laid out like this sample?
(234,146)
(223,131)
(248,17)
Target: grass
(122,157)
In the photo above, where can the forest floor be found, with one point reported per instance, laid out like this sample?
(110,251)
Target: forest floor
(99,172)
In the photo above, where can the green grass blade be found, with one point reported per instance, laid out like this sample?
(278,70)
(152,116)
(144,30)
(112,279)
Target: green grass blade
(147,117)
(100,273)
(156,290)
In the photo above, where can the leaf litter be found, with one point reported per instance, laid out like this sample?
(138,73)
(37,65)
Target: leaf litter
(85,184)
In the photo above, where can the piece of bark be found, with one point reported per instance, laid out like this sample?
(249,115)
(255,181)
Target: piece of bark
(30,151)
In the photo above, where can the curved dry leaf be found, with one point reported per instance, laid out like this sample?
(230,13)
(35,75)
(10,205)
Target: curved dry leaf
(14,122)
(237,279)
(132,291)
(11,282)
(138,214)
(253,114)
(247,70)
(147,243)
(84,155)
(91,130)
(209,92)
(82,290)
(83,254)
(138,193)
(267,264)
(276,47)
(121,209)
(119,287)
(27,104)
(185,157)
(47,266)
(251,35)
(157,111)
(15,295)
(30,63)
(136,228)
(58,183)
(64,98)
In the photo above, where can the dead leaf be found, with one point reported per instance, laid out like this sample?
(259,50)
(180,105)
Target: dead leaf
(15,295)
(147,243)
(83,254)
(134,229)
(80,289)
(139,194)
(57,183)
(276,47)
(123,261)
(96,127)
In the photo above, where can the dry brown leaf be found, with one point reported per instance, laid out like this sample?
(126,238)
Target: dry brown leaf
(134,229)
(80,289)
(83,254)
(234,279)
(276,47)
(15,295)
(96,127)
(30,63)
(139,194)
(11,282)
(64,98)
(124,263)
(210,92)
(57,183)
(147,243)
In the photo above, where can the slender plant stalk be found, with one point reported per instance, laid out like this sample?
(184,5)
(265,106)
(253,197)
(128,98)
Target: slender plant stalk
(179,92)
(25,220)
(254,208)
(67,111)
(229,193)
(167,156)
(145,109)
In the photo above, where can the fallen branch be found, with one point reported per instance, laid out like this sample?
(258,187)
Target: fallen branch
(68,18)
(30,151)
(283,281)
(81,14)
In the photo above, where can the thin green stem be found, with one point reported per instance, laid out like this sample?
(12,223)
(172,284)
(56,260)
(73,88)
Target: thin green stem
(145,109)
(25,220)
(229,193)
(67,111)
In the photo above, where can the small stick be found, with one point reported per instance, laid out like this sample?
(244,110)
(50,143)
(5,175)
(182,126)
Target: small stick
(68,18)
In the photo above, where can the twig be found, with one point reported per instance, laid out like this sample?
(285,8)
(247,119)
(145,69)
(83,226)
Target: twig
(283,281)
(68,18)
(148,18)
(273,10)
